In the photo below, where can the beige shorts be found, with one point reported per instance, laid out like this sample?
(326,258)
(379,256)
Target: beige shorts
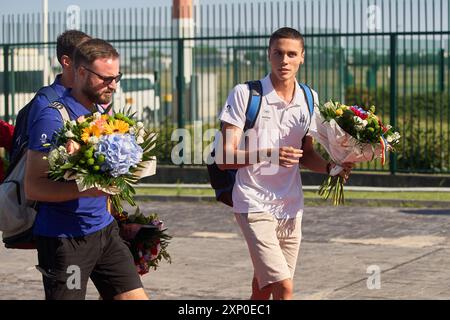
(273,244)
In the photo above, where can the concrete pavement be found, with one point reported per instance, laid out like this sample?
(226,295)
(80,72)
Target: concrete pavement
(342,251)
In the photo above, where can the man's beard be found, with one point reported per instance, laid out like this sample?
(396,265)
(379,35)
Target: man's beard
(96,97)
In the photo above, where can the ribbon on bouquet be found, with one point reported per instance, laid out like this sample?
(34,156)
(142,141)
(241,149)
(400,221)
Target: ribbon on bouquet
(384,146)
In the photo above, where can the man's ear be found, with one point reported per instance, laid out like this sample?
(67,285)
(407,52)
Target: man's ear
(65,61)
(303,57)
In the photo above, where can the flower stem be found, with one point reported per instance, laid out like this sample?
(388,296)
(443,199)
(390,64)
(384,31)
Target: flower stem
(333,186)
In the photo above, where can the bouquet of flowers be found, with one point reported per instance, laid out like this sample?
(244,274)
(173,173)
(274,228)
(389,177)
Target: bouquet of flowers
(349,134)
(110,152)
(146,238)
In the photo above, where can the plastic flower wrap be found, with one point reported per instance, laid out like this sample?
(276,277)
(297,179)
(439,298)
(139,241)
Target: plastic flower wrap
(349,134)
(146,238)
(110,152)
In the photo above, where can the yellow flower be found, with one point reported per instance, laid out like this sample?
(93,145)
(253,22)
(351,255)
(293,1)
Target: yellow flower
(339,112)
(90,132)
(105,117)
(117,126)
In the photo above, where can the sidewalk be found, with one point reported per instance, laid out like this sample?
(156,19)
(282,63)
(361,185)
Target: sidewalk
(210,260)
(371,200)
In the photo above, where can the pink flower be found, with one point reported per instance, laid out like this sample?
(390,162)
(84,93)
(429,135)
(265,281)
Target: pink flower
(81,119)
(363,115)
(100,123)
(72,147)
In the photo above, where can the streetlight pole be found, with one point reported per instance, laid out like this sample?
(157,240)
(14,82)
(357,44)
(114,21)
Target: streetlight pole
(45,40)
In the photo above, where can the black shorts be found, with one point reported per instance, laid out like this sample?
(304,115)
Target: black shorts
(68,263)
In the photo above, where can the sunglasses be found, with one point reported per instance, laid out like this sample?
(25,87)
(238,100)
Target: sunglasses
(106,80)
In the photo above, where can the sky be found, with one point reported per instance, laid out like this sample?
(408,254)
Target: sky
(30,6)
(420,14)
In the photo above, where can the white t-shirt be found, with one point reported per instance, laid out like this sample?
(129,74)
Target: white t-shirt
(266,186)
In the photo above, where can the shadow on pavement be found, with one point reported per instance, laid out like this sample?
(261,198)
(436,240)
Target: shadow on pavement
(427,211)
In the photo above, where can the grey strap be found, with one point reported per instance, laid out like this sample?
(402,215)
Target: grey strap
(62,110)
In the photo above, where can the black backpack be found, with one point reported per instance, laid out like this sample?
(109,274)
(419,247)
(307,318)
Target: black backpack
(20,135)
(222,181)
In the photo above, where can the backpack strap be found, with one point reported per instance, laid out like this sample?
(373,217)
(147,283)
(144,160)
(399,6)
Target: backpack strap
(254,103)
(310,102)
(62,110)
(309,97)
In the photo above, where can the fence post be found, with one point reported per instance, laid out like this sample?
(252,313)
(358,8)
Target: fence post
(235,67)
(180,84)
(6,79)
(393,96)
(441,70)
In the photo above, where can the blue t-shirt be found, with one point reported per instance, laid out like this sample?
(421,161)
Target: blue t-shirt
(72,218)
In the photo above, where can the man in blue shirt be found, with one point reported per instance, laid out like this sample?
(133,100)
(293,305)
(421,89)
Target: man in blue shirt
(74,230)
(65,46)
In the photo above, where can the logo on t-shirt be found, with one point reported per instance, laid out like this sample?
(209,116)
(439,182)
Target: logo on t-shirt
(43,138)
(228,108)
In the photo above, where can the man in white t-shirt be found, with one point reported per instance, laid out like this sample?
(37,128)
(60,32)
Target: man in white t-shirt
(267,195)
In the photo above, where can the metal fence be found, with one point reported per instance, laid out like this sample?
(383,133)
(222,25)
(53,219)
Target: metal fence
(393,54)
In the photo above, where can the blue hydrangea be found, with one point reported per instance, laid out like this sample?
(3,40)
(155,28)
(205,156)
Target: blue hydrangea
(121,153)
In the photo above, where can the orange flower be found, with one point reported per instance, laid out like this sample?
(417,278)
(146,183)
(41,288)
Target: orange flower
(90,132)
(116,126)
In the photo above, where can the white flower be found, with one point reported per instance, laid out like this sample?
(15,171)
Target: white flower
(140,140)
(62,149)
(132,130)
(141,132)
(139,124)
(359,123)
(57,156)
(69,134)
(53,157)
(73,122)
(93,140)
(97,115)
(390,138)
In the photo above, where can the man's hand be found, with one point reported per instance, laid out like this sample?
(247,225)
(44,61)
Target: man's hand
(289,156)
(347,169)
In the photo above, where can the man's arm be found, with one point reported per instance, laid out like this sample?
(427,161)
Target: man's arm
(39,187)
(235,158)
(229,156)
(311,159)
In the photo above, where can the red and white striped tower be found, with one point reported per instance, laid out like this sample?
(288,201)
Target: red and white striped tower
(183,27)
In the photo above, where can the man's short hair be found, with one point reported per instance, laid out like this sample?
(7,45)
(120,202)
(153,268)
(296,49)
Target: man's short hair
(91,50)
(68,41)
(287,33)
